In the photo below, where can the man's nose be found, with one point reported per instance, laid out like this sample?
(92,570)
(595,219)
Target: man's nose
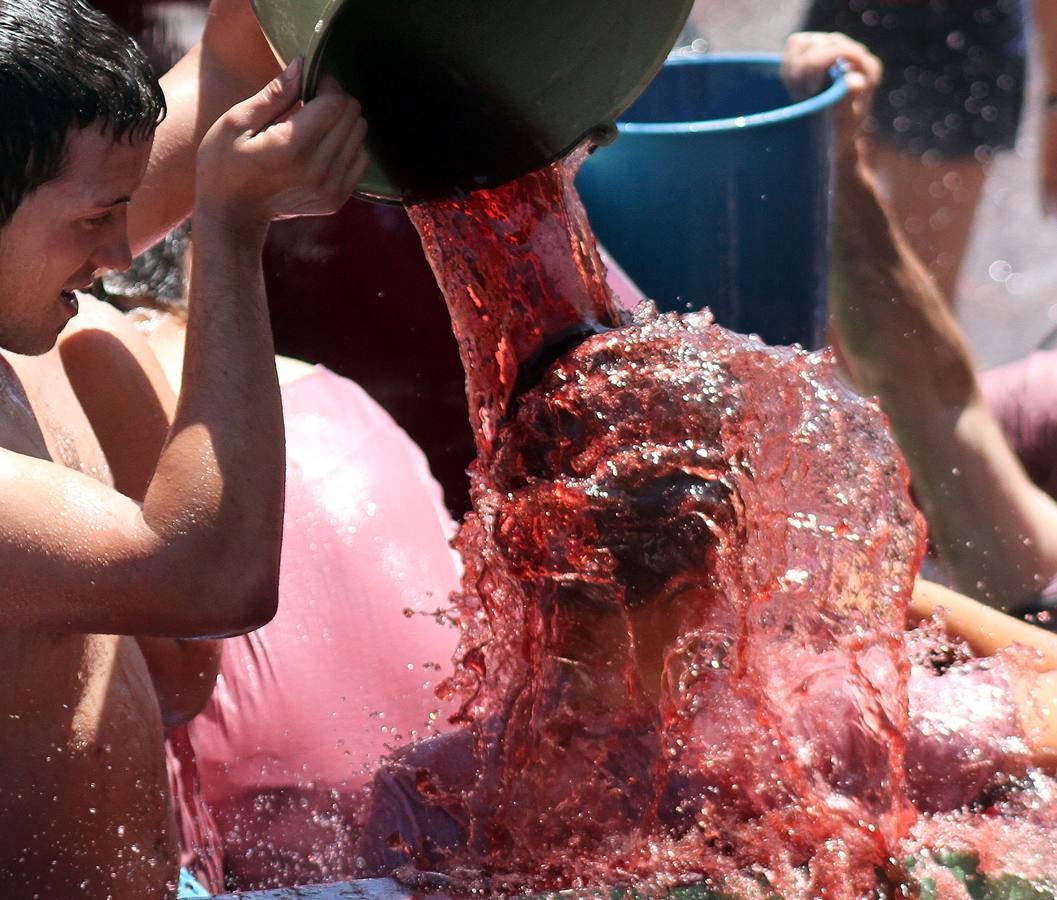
(115,253)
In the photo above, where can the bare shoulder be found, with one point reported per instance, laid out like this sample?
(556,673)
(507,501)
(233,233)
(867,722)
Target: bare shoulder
(102,344)
(122,389)
(95,315)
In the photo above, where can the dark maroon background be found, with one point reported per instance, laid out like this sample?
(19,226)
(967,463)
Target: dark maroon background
(354,292)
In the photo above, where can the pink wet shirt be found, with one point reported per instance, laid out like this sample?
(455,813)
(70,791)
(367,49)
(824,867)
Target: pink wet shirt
(1022,395)
(305,707)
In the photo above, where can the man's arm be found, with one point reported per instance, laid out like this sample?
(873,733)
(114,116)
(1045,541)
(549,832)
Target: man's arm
(1046,26)
(985,630)
(200,556)
(988,631)
(898,340)
(128,401)
(231,62)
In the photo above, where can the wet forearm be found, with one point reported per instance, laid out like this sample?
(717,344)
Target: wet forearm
(183,673)
(897,335)
(985,630)
(1046,26)
(230,63)
(901,343)
(218,490)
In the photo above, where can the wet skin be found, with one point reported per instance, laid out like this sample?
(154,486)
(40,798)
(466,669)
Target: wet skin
(193,554)
(83,789)
(84,774)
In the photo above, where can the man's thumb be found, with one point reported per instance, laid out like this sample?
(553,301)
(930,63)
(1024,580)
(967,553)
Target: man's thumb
(275,99)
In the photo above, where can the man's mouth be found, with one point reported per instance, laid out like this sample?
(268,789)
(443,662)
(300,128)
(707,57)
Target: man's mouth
(70,299)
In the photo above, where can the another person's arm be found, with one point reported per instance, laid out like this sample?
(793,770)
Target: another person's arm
(183,674)
(988,631)
(899,341)
(1046,25)
(200,556)
(984,629)
(231,62)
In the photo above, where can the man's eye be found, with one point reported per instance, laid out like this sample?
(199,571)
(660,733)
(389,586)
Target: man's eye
(97,221)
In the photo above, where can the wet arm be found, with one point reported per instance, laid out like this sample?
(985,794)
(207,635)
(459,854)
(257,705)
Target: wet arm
(1046,25)
(897,338)
(231,62)
(987,631)
(124,393)
(984,629)
(200,556)
(183,673)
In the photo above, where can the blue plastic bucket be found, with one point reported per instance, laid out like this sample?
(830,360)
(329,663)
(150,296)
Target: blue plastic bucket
(716,193)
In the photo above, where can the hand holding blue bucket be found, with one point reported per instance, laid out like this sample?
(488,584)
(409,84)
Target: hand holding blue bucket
(716,193)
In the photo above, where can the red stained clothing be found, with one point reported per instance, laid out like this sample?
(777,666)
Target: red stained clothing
(964,733)
(305,707)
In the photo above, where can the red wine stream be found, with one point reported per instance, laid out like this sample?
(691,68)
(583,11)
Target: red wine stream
(689,555)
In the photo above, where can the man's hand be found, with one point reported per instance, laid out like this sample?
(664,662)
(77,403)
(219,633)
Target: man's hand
(808,57)
(268,158)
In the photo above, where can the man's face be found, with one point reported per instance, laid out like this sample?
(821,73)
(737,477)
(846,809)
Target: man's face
(62,234)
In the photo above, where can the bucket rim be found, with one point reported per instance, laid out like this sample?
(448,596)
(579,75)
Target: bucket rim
(830,96)
(317,45)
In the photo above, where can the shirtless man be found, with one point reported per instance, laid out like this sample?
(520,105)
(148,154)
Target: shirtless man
(87,569)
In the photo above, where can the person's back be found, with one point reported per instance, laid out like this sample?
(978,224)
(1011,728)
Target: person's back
(306,706)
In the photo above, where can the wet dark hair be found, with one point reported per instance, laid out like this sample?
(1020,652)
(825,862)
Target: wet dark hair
(65,65)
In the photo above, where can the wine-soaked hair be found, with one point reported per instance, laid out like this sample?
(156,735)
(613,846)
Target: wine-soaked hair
(64,65)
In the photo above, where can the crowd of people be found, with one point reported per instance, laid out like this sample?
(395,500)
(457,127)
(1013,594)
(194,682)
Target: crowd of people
(177,690)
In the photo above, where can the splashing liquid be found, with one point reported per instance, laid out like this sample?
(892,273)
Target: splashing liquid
(686,576)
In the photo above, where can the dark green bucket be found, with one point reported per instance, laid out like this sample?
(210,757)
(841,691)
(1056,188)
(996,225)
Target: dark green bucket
(465,94)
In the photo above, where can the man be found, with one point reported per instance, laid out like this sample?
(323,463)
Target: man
(989,523)
(83,787)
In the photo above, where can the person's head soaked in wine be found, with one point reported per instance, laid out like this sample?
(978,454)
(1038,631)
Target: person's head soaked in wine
(635,570)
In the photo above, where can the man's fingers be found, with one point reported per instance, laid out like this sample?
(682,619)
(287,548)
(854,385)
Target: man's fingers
(336,137)
(809,56)
(322,116)
(273,103)
(356,172)
(352,153)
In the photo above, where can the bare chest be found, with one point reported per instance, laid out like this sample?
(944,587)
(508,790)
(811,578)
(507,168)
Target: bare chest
(40,416)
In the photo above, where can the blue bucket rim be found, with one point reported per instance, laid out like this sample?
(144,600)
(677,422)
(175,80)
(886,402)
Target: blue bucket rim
(832,95)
